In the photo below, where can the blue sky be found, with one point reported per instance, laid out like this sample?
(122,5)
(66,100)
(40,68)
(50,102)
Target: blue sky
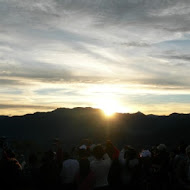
(133,54)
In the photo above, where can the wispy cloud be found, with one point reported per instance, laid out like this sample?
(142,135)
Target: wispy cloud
(54,48)
(10,106)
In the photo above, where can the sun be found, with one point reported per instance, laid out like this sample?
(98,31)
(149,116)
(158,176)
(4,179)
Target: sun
(108,110)
(108,106)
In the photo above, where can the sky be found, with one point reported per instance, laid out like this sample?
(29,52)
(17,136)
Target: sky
(132,55)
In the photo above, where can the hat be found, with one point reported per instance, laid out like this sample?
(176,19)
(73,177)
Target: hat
(84,147)
(145,153)
(161,147)
(188,149)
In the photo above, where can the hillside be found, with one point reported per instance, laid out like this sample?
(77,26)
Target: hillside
(70,125)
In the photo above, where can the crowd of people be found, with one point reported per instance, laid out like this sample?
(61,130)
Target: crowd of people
(91,166)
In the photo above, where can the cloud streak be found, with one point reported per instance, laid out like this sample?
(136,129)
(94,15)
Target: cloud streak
(64,47)
(10,106)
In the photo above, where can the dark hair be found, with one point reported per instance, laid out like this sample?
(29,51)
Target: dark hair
(130,153)
(98,152)
(33,159)
(182,148)
(82,153)
(10,153)
(109,149)
(66,156)
(84,167)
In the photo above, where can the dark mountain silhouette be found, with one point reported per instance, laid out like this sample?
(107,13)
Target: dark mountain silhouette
(71,125)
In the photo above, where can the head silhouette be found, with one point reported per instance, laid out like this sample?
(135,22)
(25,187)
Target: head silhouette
(98,152)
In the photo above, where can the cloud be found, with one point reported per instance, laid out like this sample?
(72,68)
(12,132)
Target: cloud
(179,57)
(136,44)
(160,99)
(33,70)
(9,106)
(9,82)
(47,43)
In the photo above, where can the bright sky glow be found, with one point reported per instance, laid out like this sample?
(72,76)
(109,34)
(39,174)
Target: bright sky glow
(117,55)
(109,106)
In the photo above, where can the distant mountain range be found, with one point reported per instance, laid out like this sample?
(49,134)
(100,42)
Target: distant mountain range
(72,125)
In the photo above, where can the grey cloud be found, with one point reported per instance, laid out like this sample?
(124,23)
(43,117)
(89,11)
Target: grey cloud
(75,41)
(9,82)
(58,91)
(132,13)
(25,13)
(136,44)
(160,99)
(103,13)
(179,57)
(156,82)
(178,28)
(37,71)
(41,19)
(7,106)
(123,14)
(175,56)
(167,81)
(167,74)
(45,72)
(170,77)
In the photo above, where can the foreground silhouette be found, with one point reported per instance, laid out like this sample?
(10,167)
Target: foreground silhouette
(97,166)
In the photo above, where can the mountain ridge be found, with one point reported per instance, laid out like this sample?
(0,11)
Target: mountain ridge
(72,125)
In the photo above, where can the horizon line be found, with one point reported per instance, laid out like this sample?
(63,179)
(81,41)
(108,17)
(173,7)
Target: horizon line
(92,108)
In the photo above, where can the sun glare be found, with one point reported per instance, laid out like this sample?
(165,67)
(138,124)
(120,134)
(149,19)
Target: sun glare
(108,111)
(109,106)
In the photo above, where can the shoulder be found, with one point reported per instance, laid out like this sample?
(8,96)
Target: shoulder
(70,162)
(93,162)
